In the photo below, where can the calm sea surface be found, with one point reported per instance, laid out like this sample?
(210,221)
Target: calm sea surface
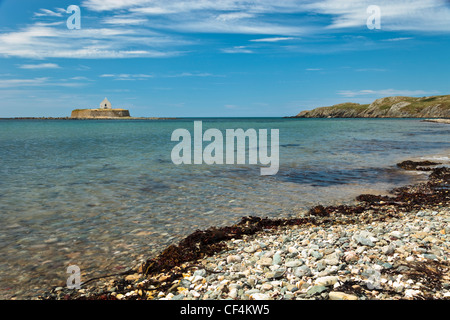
(104,194)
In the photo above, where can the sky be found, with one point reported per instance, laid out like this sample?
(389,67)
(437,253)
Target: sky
(218,58)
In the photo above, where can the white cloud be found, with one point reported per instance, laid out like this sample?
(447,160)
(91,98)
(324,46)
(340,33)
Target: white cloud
(371,70)
(385,93)
(80,78)
(209,16)
(189,74)
(40,66)
(274,39)
(126,28)
(405,15)
(120,20)
(38,82)
(127,77)
(11,83)
(107,5)
(399,39)
(417,15)
(234,16)
(49,13)
(40,42)
(237,49)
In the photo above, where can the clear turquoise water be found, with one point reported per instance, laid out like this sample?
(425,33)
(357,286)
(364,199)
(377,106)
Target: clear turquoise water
(104,194)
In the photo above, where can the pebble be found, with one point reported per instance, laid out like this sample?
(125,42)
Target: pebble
(264,261)
(276,259)
(293,264)
(259,296)
(302,271)
(326,281)
(350,256)
(315,290)
(251,249)
(233,259)
(333,295)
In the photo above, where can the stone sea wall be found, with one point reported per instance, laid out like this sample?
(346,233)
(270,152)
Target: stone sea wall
(99,113)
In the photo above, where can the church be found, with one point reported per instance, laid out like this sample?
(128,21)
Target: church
(105,104)
(105,111)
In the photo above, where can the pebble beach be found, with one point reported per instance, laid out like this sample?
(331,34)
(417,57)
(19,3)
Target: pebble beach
(384,248)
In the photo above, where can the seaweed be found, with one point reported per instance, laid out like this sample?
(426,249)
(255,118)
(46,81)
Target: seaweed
(417,165)
(430,273)
(205,243)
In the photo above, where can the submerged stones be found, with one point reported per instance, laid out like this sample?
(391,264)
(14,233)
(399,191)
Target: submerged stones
(383,252)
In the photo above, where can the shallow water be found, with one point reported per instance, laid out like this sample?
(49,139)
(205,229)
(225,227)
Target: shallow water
(104,194)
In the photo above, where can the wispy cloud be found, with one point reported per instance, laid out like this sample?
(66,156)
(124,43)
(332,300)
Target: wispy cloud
(274,39)
(40,42)
(39,82)
(190,74)
(80,78)
(11,83)
(40,66)
(371,70)
(124,20)
(158,28)
(127,77)
(399,39)
(209,16)
(237,49)
(49,13)
(418,15)
(234,16)
(384,93)
(407,15)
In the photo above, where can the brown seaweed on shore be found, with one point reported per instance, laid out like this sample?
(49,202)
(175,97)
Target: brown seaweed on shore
(417,165)
(205,243)
(430,273)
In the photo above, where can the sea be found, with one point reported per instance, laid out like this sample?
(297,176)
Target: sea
(105,195)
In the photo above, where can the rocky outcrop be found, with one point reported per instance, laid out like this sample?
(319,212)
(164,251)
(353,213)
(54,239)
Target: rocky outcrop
(446,121)
(390,107)
(100,114)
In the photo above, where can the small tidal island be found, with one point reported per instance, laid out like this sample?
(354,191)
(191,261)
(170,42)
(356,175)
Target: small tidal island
(105,111)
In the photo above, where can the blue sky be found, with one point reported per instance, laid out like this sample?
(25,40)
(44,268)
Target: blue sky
(227,58)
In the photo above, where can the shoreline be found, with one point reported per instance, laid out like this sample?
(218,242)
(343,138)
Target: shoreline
(99,118)
(253,260)
(445,121)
